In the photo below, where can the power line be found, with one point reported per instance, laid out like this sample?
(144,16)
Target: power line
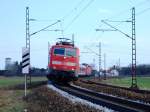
(92,51)
(126,10)
(74,9)
(141,3)
(84,8)
(128,19)
(143,11)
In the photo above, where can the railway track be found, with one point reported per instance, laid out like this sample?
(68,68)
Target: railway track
(115,103)
(117,87)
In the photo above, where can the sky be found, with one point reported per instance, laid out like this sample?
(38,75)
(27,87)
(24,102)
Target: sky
(78,17)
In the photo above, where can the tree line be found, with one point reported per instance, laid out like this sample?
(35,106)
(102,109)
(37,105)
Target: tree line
(16,70)
(142,70)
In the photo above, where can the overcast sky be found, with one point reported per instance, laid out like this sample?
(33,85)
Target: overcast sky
(80,17)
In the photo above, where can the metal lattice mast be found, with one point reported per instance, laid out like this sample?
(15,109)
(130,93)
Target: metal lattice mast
(27,29)
(99,57)
(134,81)
(133,38)
(28,36)
(104,66)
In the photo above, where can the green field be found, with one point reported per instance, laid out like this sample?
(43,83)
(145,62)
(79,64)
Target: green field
(143,82)
(10,81)
(11,100)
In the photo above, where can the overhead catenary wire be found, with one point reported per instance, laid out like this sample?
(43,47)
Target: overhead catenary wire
(126,10)
(69,14)
(128,19)
(74,9)
(92,50)
(93,43)
(143,11)
(141,3)
(78,15)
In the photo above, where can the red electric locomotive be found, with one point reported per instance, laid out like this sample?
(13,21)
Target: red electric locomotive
(63,61)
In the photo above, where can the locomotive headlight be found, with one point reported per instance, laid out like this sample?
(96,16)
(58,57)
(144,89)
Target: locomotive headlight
(72,69)
(70,64)
(56,62)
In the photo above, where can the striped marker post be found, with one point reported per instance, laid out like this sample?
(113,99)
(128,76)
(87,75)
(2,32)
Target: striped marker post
(25,65)
(25,60)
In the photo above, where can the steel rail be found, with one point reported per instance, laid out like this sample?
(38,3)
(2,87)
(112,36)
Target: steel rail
(115,103)
(117,87)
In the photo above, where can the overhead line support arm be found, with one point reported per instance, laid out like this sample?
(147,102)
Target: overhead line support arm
(116,29)
(44,28)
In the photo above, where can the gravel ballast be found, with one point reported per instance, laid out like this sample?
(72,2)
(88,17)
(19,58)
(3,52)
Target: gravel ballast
(116,92)
(43,99)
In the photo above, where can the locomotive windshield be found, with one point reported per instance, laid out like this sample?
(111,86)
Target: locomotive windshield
(59,51)
(70,52)
(65,51)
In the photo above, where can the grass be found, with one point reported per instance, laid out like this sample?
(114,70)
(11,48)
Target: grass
(10,81)
(143,82)
(11,101)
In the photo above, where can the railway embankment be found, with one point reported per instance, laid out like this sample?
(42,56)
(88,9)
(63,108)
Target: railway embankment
(45,99)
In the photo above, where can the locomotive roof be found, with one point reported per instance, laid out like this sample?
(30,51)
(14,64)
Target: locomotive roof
(65,43)
(68,46)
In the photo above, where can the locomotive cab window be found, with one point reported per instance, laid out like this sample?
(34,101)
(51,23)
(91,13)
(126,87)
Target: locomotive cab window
(70,52)
(59,51)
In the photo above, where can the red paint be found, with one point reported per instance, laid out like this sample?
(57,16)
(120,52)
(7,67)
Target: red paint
(63,59)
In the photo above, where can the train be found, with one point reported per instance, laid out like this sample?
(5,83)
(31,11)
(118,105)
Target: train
(63,64)
(85,70)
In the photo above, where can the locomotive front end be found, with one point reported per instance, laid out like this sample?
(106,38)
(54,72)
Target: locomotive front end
(64,62)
